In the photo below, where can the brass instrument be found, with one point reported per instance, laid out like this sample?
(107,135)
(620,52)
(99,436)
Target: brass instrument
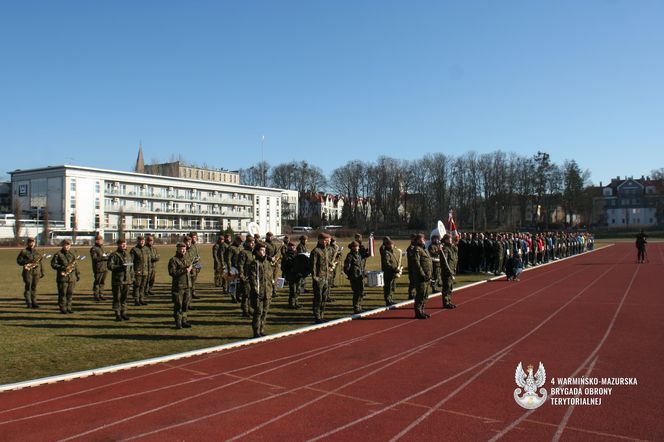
(31,265)
(337,256)
(71,266)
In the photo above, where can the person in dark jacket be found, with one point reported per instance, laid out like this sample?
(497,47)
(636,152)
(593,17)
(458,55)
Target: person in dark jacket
(354,271)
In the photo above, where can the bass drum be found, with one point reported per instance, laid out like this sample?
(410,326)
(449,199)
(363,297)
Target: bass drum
(302,265)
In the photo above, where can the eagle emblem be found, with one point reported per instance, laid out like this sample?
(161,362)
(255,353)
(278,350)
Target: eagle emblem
(530,383)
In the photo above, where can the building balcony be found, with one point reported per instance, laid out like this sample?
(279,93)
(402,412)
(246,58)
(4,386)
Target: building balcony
(171,211)
(178,197)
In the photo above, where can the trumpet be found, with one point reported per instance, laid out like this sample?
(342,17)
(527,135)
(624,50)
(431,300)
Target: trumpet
(31,265)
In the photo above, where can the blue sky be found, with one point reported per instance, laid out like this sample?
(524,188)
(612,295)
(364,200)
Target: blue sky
(331,81)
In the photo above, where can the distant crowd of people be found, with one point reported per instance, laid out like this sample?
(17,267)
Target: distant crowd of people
(246,268)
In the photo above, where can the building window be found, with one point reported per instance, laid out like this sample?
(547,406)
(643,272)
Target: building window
(72,184)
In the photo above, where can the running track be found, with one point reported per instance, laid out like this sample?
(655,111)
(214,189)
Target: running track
(389,376)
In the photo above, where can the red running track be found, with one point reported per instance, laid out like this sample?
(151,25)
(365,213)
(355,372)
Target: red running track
(389,376)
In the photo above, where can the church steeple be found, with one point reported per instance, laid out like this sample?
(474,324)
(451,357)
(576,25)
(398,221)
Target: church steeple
(140,164)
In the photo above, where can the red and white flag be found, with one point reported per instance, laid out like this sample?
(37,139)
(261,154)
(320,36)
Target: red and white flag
(372,246)
(451,225)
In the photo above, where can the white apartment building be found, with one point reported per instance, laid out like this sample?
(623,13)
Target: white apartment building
(88,199)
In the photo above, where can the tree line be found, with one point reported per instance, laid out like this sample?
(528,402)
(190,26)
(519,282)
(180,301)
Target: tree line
(486,191)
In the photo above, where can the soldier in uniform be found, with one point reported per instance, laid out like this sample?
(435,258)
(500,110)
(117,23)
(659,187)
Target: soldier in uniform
(289,272)
(33,270)
(273,254)
(447,272)
(320,271)
(410,255)
(389,264)
(64,262)
(99,268)
(302,249)
(435,251)
(180,269)
(260,273)
(120,264)
(422,272)
(218,260)
(243,260)
(140,257)
(223,253)
(354,270)
(335,250)
(232,253)
(194,258)
(154,257)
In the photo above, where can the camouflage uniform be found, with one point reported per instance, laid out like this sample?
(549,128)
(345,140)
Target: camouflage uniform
(99,270)
(194,257)
(141,258)
(389,264)
(179,269)
(354,270)
(152,271)
(120,265)
(67,274)
(33,270)
(422,272)
(245,258)
(218,260)
(320,271)
(259,274)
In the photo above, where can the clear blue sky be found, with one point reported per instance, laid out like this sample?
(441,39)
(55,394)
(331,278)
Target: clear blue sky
(82,82)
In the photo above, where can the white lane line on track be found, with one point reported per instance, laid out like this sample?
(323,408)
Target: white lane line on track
(518,421)
(495,355)
(236,350)
(570,409)
(401,356)
(312,353)
(594,355)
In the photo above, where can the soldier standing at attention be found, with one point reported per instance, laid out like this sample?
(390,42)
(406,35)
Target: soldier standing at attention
(389,264)
(447,272)
(354,270)
(435,251)
(154,257)
(99,269)
(33,270)
(422,271)
(302,249)
(218,259)
(194,258)
(410,255)
(320,273)
(243,260)
(260,274)
(140,257)
(180,269)
(232,254)
(120,265)
(67,274)
(223,253)
(272,252)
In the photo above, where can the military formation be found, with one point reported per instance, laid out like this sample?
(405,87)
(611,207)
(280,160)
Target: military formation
(246,269)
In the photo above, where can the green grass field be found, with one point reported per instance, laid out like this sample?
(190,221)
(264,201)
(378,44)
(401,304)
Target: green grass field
(38,343)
